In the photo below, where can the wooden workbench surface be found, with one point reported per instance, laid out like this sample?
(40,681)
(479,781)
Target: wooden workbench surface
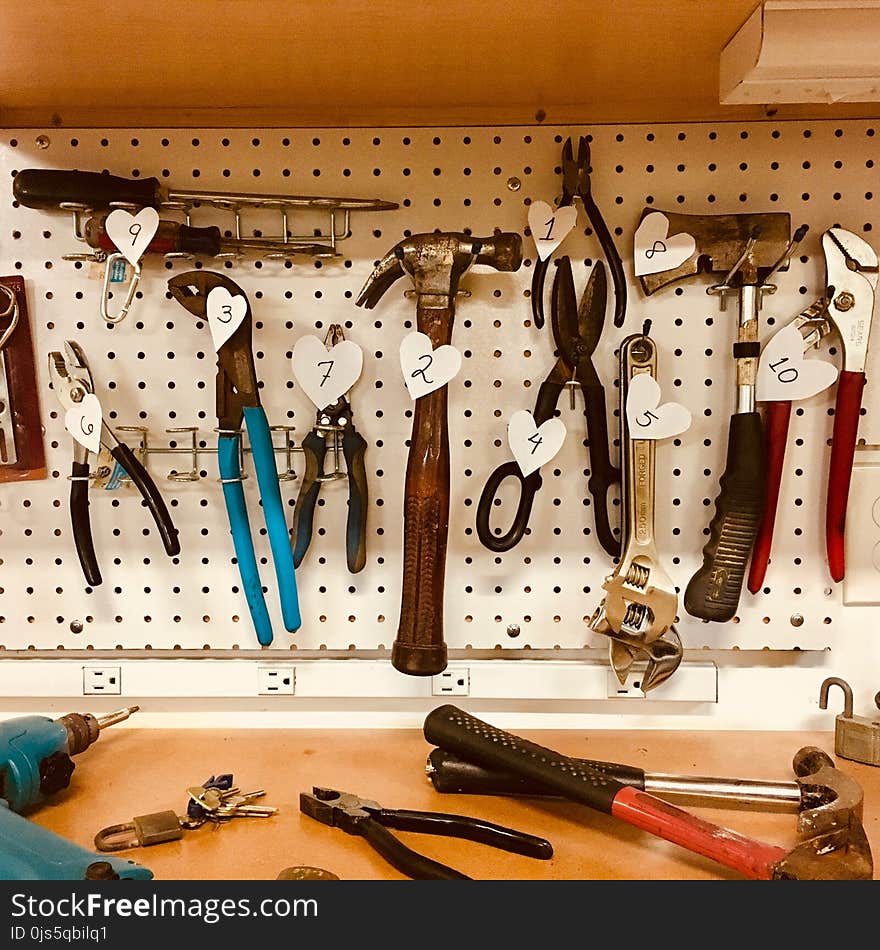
(136,771)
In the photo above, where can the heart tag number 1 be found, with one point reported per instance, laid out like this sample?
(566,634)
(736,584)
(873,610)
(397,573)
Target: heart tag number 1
(550,228)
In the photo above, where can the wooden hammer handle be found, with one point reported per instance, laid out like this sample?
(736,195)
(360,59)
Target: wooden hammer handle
(419,649)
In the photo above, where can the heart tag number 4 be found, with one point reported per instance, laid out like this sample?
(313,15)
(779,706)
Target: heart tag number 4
(646,418)
(783,373)
(533,446)
(424,368)
(326,375)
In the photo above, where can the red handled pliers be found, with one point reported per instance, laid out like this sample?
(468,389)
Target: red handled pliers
(851,269)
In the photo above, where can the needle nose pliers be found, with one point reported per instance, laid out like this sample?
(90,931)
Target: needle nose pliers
(576,332)
(72,382)
(333,425)
(237,398)
(360,816)
(576,184)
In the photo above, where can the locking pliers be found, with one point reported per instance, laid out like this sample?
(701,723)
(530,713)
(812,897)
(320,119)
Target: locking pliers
(72,382)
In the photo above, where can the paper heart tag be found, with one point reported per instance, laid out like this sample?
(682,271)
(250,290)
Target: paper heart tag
(132,233)
(549,228)
(225,314)
(323,374)
(654,250)
(424,368)
(646,418)
(83,422)
(533,446)
(783,373)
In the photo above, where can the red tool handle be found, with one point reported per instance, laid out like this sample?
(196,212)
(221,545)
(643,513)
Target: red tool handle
(776,418)
(843,447)
(753,859)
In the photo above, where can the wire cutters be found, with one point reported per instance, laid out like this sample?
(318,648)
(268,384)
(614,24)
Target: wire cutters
(72,382)
(333,425)
(576,184)
(576,332)
(237,398)
(360,816)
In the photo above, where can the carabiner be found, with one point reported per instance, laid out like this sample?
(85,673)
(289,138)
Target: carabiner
(129,297)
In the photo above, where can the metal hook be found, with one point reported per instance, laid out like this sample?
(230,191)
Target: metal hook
(845,689)
(796,239)
(11,309)
(129,297)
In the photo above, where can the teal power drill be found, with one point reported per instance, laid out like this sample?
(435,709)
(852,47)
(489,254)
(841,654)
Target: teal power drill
(35,763)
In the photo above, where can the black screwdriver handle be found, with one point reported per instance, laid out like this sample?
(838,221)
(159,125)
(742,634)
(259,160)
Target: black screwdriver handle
(602,473)
(476,741)
(150,493)
(713,592)
(449,773)
(46,188)
(81,523)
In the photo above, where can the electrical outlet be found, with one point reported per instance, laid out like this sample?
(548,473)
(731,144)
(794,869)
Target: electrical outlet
(98,680)
(631,689)
(276,680)
(454,682)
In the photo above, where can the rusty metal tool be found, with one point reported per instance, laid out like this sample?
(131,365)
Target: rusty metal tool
(641,601)
(576,333)
(855,737)
(71,382)
(368,819)
(747,249)
(22,455)
(576,183)
(436,263)
(834,845)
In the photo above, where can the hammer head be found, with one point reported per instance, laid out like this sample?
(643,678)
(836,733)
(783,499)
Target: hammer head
(437,261)
(720,240)
(836,846)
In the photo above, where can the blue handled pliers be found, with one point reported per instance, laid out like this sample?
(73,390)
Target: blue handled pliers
(237,398)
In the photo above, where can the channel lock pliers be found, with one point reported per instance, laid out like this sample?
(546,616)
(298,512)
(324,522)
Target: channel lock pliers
(333,425)
(72,382)
(237,398)
(360,816)
(576,184)
(576,332)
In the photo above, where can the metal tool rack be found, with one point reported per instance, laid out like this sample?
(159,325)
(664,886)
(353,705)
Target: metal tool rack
(154,619)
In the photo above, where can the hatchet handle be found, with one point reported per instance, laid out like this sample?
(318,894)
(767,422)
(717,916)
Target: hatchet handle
(713,592)
(419,648)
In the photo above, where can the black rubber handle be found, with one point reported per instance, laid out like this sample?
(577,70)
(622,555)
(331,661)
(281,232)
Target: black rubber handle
(150,493)
(472,739)
(354,447)
(407,861)
(713,592)
(602,473)
(529,486)
(46,188)
(314,449)
(539,276)
(450,773)
(609,249)
(469,829)
(81,523)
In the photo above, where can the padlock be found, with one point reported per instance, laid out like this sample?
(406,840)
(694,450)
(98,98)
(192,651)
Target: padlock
(855,737)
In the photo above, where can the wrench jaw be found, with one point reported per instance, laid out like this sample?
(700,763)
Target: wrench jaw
(662,656)
(642,600)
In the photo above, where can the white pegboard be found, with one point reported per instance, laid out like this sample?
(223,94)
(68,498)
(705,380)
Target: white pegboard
(156,369)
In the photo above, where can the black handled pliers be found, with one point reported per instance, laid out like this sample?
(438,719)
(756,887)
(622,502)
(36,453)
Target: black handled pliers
(576,332)
(333,425)
(359,816)
(576,184)
(237,400)
(72,382)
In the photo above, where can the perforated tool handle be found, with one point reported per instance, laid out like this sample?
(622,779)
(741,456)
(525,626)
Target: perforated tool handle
(471,738)
(843,446)
(713,592)
(46,188)
(81,523)
(150,493)
(776,419)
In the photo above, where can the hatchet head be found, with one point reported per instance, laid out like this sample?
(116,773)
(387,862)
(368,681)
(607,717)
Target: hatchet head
(719,242)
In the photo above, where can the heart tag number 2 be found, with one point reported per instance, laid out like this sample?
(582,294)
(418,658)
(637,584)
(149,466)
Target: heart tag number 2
(424,368)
